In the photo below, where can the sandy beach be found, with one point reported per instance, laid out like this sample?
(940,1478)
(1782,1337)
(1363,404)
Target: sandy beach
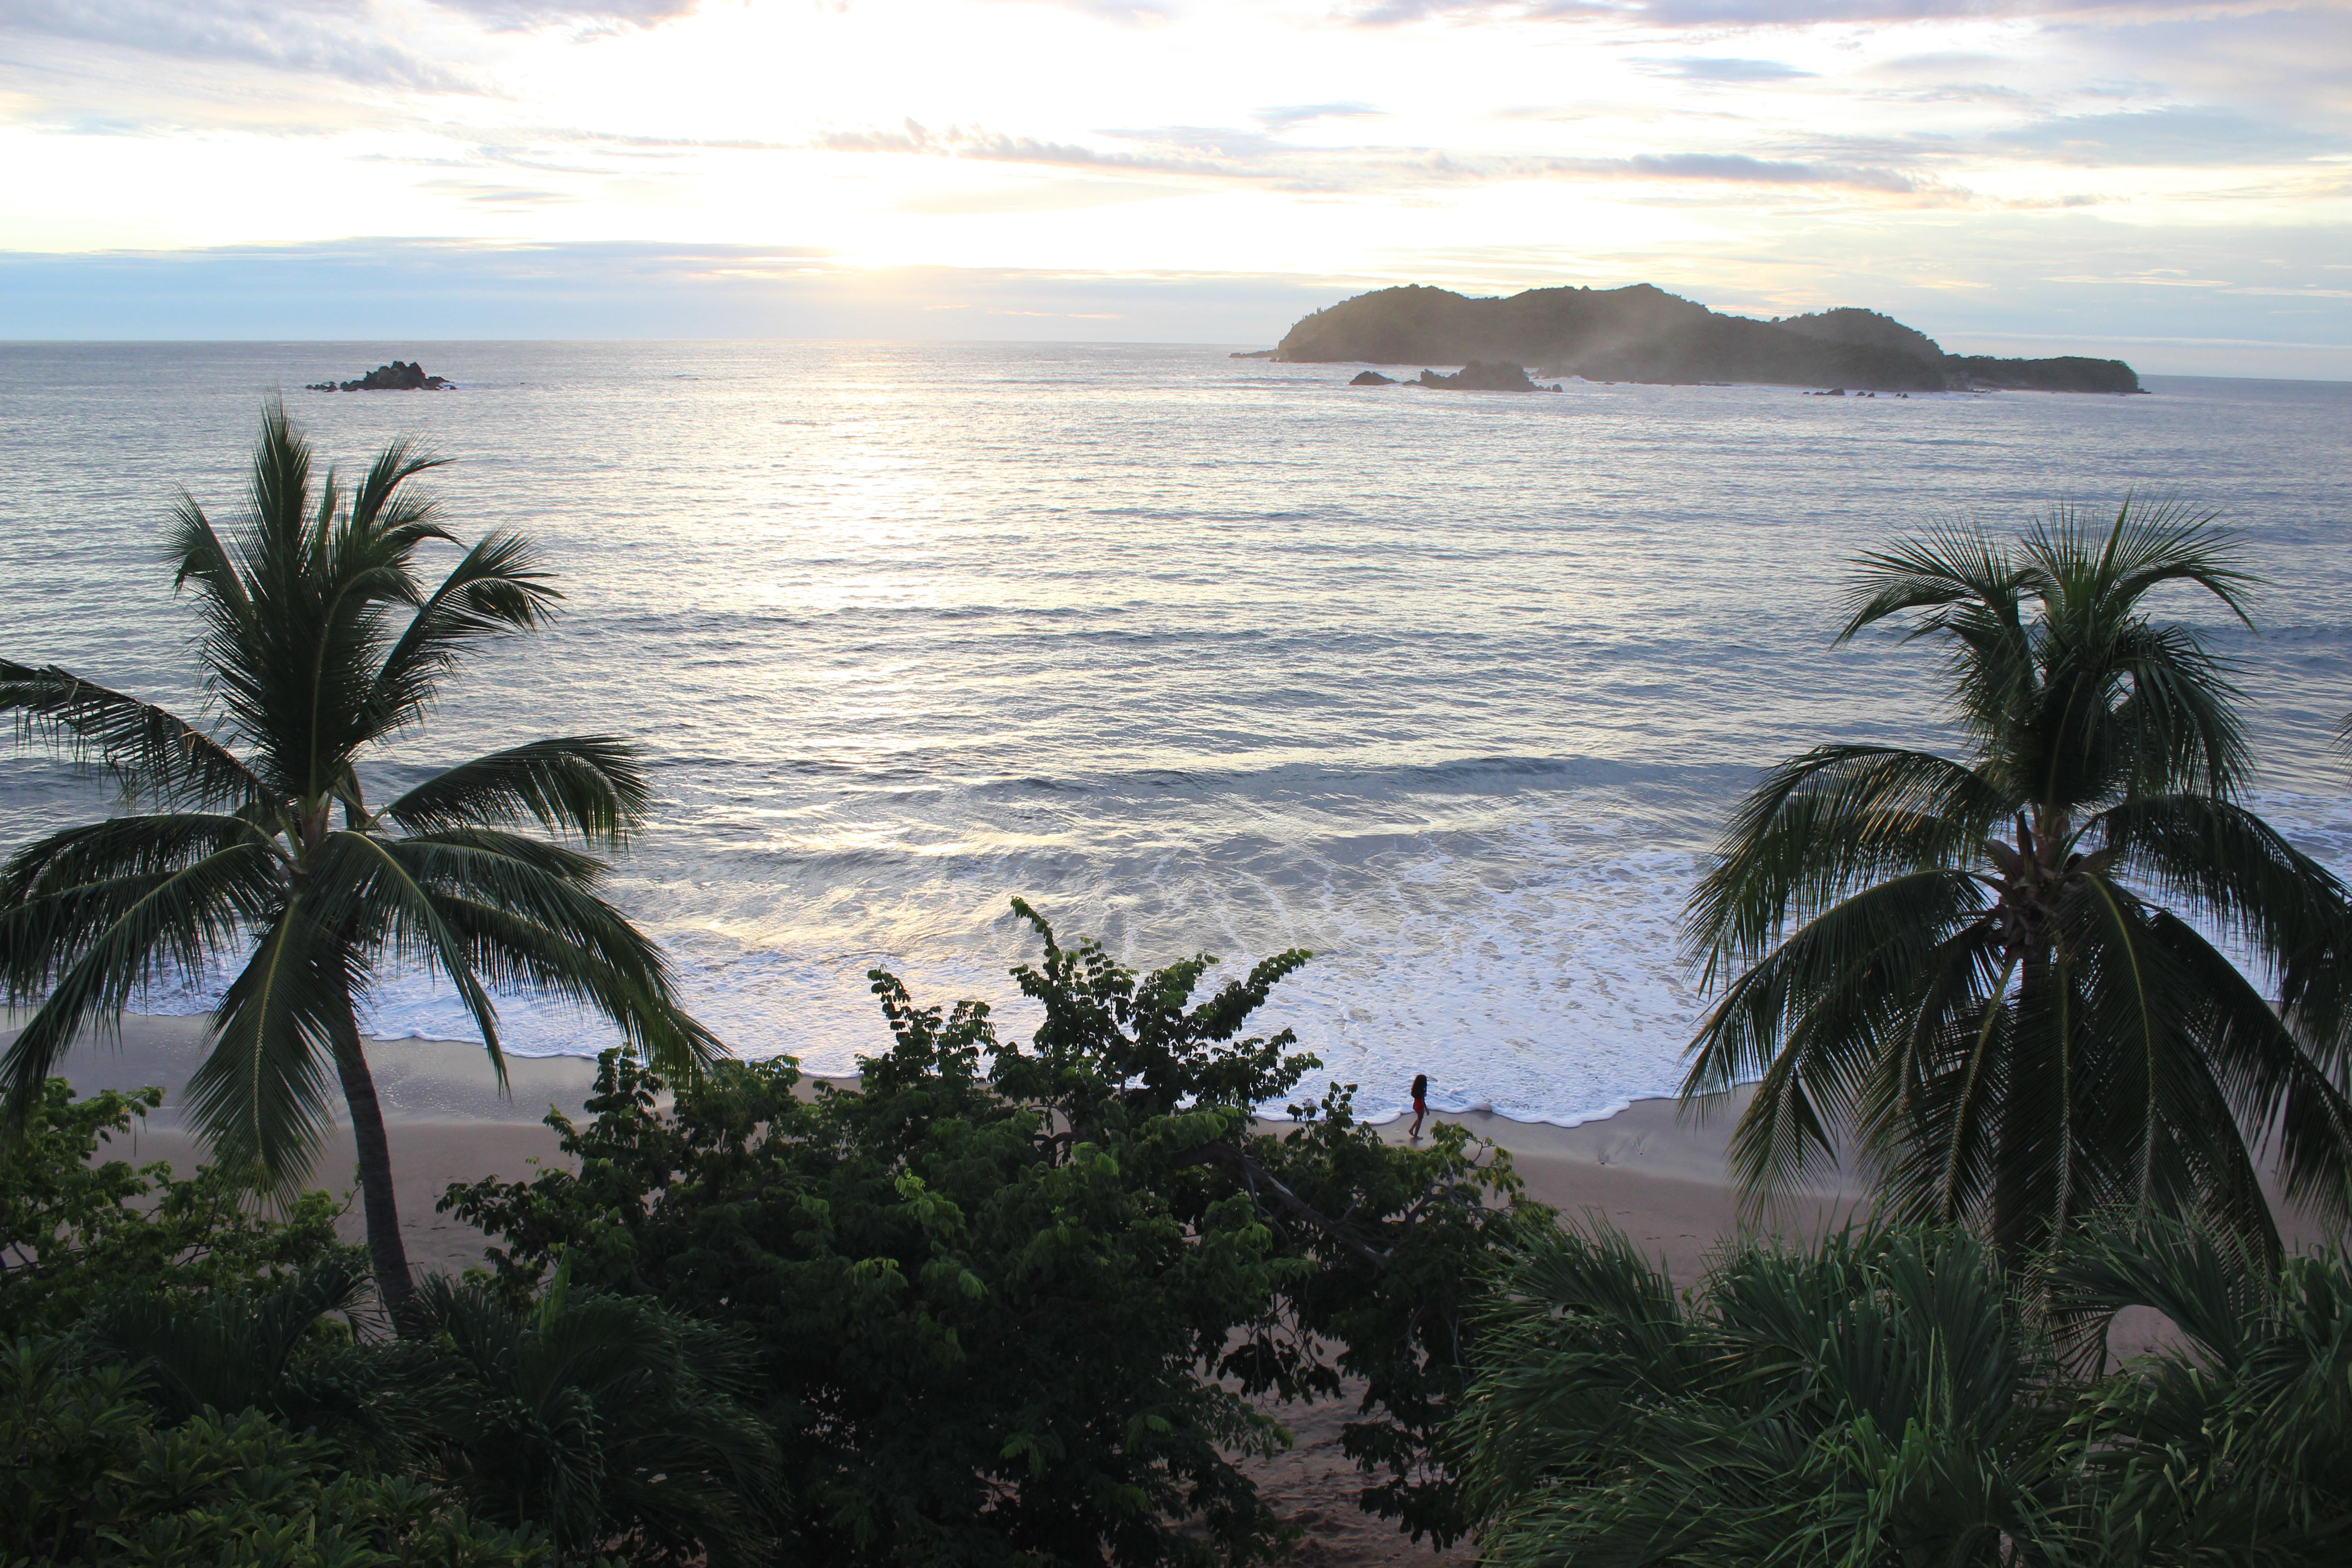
(1654,1174)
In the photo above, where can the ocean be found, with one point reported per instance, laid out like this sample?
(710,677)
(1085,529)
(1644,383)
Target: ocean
(1197,653)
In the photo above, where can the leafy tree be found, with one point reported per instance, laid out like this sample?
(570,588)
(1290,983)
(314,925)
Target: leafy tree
(1990,973)
(994,1289)
(74,1228)
(606,1425)
(256,841)
(1394,1301)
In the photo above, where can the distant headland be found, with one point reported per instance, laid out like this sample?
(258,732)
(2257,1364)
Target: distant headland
(1644,333)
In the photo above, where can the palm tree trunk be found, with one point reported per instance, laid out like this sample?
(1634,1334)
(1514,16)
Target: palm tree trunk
(2023,1191)
(387,1252)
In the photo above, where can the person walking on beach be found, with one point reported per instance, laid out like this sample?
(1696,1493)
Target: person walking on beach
(1420,1103)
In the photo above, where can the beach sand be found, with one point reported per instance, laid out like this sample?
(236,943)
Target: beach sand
(1654,1173)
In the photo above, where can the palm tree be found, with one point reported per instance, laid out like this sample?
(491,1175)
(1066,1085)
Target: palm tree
(319,641)
(1985,972)
(1872,1396)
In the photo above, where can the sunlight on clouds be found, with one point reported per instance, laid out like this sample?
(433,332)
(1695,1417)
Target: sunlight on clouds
(1588,142)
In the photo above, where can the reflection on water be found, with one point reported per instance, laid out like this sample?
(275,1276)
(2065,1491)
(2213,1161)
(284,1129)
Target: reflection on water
(1195,653)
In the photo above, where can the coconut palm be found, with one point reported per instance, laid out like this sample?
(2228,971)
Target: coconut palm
(1992,976)
(251,842)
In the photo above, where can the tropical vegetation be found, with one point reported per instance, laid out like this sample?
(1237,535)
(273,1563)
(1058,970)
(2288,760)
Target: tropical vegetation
(2005,979)
(1022,1303)
(1888,1396)
(252,845)
(1008,1301)
(211,1387)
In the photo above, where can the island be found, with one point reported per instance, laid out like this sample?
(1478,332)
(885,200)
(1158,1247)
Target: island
(398,376)
(1642,333)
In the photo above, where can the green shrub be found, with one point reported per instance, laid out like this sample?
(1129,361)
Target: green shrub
(74,1228)
(88,1477)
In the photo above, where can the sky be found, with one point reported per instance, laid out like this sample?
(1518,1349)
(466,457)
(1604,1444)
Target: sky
(2163,181)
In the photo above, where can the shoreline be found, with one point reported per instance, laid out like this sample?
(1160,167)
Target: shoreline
(1657,1175)
(440,1045)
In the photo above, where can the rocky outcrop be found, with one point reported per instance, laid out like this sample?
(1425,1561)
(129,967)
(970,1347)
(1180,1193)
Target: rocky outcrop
(1482,376)
(398,376)
(2068,372)
(1373,378)
(1645,334)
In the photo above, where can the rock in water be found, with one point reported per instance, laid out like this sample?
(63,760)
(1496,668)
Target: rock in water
(1373,378)
(398,376)
(1482,376)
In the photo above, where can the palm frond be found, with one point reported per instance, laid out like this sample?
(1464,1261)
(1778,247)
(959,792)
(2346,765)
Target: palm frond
(2271,1089)
(261,1094)
(87,951)
(1811,1017)
(2205,1279)
(531,926)
(153,750)
(591,786)
(497,589)
(1927,1123)
(2219,860)
(383,508)
(2162,1016)
(361,883)
(118,847)
(2180,722)
(198,555)
(278,495)
(1823,824)
(1950,564)
(2144,548)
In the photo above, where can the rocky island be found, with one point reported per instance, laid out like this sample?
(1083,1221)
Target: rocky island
(398,376)
(1644,333)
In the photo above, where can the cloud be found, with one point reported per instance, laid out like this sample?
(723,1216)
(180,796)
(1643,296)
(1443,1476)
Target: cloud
(1738,168)
(1742,13)
(509,198)
(995,147)
(519,13)
(325,38)
(1282,119)
(346,40)
(2175,137)
(1726,70)
(1224,155)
